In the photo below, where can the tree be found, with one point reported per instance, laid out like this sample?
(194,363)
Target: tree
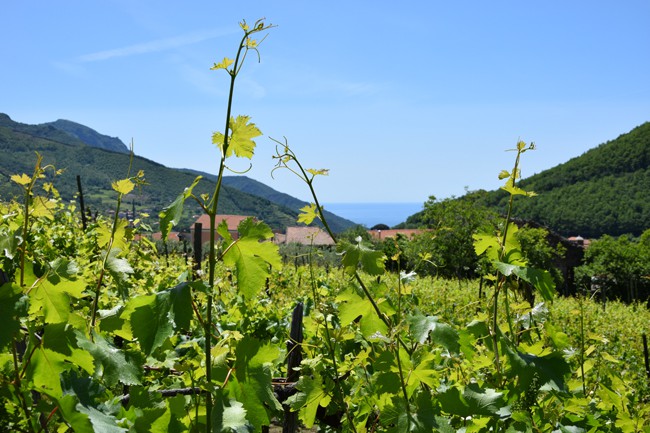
(449,243)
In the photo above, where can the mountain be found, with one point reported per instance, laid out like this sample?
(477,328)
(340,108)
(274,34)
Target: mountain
(90,136)
(606,190)
(98,168)
(254,187)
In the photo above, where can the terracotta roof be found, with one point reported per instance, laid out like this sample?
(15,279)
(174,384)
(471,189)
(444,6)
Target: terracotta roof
(232,221)
(391,233)
(308,236)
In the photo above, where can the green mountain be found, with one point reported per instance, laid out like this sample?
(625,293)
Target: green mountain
(606,190)
(98,168)
(90,136)
(251,186)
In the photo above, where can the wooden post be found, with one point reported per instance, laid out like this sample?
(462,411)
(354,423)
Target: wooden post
(294,358)
(198,254)
(645,355)
(81,203)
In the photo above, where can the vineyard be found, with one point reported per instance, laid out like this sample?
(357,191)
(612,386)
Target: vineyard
(103,330)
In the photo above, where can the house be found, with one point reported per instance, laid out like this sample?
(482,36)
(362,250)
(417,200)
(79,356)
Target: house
(304,236)
(233,222)
(380,235)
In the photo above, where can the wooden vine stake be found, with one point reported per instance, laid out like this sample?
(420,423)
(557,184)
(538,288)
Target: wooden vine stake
(294,358)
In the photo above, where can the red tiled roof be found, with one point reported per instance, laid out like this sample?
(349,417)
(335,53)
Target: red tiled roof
(232,221)
(308,236)
(391,233)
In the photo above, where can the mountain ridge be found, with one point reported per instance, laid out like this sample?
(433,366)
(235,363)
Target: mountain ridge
(606,190)
(99,167)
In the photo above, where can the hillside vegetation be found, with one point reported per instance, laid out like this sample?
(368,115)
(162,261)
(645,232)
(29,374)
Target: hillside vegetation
(99,167)
(604,191)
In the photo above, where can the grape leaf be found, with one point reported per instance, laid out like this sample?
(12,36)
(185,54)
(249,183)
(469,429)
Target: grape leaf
(352,306)
(251,254)
(223,64)
(172,214)
(53,300)
(371,261)
(252,383)
(110,361)
(23,179)
(472,401)
(229,415)
(153,318)
(308,214)
(540,279)
(240,139)
(424,326)
(309,398)
(123,186)
(13,306)
(57,352)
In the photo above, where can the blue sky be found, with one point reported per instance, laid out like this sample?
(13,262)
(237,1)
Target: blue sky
(400,100)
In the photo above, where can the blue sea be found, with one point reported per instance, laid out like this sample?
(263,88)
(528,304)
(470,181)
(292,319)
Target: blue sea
(370,214)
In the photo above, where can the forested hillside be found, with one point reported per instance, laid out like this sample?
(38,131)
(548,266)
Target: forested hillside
(98,168)
(604,191)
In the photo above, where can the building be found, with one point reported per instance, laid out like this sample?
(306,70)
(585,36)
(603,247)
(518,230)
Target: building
(380,235)
(304,236)
(233,222)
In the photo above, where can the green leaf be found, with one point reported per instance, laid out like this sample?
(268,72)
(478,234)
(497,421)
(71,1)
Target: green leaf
(110,361)
(308,214)
(251,255)
(123,186)
(318,172)
(422,326)
(551,369)
(540,279)
(252,387)
(240,140)
(153,318)
(117,266)
(57,352)
(371,261)
(81,406)
(22,180)
(13,306)
(224,64)
(172,214)
(309,398)
(353,306)
(229,415)
(473,401)
(53,300)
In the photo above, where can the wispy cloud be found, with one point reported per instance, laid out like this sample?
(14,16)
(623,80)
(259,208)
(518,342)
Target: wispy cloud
(153,46)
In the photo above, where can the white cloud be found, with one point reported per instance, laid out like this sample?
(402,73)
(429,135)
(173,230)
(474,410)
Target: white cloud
(154,46)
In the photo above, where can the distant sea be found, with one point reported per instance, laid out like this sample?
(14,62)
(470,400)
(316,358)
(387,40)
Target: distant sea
(370,214)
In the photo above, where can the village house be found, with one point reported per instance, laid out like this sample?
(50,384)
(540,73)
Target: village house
(232,221)
(380,235)
(304,236)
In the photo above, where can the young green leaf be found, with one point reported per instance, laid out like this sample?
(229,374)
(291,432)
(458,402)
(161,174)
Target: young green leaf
(123,186)
(308,214)
(240,141)
(251,254)
(172,214)
(22,180)
(224,64)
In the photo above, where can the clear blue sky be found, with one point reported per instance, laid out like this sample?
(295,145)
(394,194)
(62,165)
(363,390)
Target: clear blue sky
(400,100)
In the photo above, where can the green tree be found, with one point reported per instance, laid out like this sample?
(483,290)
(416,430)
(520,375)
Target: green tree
(449,242)
(617,267)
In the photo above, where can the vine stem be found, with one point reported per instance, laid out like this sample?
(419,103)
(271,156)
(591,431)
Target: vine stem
(501,284)
(211,210)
